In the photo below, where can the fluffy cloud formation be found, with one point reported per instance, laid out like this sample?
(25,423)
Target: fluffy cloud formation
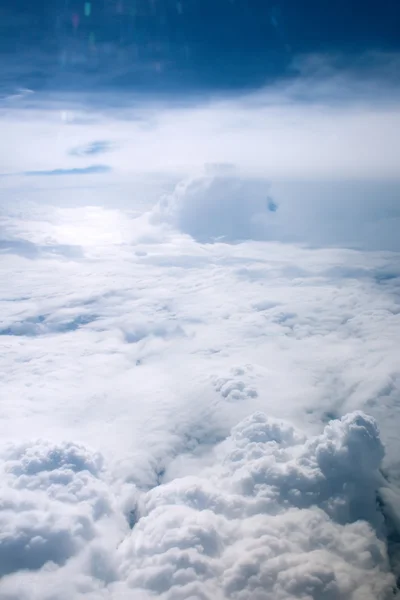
(274,515)
(54,506)
(219,204)
(220,384)
(180,508)
(218,207)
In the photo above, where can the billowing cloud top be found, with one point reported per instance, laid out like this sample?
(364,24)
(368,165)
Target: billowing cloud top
(277,515)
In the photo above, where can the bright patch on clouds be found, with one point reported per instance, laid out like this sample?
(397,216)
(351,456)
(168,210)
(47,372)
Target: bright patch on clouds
(194,405)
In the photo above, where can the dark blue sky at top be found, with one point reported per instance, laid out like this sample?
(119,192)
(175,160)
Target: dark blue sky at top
(184,44)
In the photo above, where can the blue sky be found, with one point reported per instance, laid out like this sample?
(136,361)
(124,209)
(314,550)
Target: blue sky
(187,44)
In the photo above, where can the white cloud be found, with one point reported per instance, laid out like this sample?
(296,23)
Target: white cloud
(150,348)
(274,515)
(218,207)
(179,418)
(54,506)
(252,525)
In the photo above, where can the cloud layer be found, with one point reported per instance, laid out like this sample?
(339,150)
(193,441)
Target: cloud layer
(217,384)
(200,372)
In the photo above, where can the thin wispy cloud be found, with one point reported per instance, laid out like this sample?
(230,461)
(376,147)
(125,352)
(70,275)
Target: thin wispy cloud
(98,147)
(93,169)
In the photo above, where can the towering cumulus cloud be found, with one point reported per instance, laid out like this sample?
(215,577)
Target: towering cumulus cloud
(271,514)
(218,206)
